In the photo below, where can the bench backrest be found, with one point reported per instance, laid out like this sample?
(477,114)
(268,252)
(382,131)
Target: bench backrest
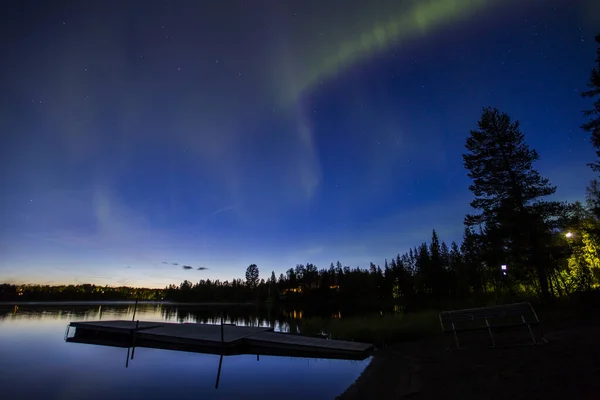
(474,316)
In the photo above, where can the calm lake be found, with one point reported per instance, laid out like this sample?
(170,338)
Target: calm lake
(37,362)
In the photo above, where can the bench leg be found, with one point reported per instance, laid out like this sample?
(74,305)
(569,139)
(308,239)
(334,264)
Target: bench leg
(542,334)
(490,331)
(455,336)
(530,331)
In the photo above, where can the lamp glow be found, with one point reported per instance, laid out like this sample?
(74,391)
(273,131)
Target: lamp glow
(569,235)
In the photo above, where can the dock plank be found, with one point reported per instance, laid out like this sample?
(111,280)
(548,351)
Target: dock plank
(201,332)
(115,326)
(290,340)
(207,337)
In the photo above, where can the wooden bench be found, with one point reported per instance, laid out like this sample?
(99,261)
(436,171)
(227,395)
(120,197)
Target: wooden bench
(489,318)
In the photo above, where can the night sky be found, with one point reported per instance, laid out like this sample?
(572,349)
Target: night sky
(215,134)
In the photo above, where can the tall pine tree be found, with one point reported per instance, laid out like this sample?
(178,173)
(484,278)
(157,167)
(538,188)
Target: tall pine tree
(472,272)
(434,276)
(593,125)
(509,191)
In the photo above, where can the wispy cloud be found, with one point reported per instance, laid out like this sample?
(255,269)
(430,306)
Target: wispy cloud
(307,165)
(202,268)
(187,267)
(226,208)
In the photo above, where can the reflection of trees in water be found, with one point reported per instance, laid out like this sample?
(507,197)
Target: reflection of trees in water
(284,319)
(273,317)
(28,312)
(278,318)
(245,316)
(5,311)
(91,312)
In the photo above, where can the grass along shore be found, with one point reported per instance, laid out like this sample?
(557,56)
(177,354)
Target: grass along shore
(381,330)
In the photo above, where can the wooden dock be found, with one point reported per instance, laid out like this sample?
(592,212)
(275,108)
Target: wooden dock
(215,339)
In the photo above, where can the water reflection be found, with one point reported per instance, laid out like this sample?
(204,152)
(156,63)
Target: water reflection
(32,350)
(281,320)
(131,350)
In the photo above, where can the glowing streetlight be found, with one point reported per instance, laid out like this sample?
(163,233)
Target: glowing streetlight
(503,268)
(569,235)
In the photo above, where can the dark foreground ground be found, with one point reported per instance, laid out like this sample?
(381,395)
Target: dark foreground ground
(568,367)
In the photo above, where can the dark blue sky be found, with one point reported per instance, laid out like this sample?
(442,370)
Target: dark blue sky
(223,133)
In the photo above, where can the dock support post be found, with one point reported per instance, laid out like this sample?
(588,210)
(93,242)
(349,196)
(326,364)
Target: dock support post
(134,309)
(134,337)
(219,372)
(222,336)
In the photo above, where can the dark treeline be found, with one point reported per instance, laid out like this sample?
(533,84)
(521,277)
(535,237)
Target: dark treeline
(549,248)
(84,292)
(429,275)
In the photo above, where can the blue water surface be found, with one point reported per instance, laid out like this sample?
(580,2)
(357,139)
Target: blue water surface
(37,363)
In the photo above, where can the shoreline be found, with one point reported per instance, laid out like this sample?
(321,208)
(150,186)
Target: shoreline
(115,302)
(425,369)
